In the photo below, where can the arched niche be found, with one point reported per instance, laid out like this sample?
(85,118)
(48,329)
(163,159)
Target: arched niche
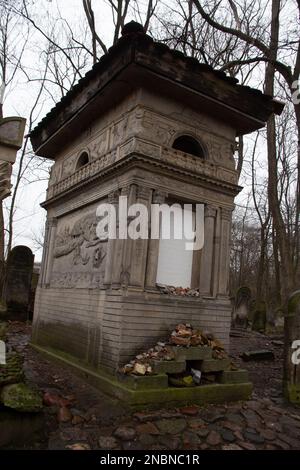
(188,144)
(83,160)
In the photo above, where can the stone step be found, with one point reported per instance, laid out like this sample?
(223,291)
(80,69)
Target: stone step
(215,365)
(168,367)
(142,382)
(194,353)
(234,376)
(259,355)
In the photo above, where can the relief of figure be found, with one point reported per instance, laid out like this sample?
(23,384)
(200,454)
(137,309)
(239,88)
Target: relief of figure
(82,235)
(98,257)
(79,258)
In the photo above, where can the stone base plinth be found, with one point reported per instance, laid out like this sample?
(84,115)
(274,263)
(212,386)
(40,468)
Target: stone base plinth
(107,328)
(151,391)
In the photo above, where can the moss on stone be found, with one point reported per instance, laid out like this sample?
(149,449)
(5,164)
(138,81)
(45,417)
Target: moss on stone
(194,353)
(292,392)
(12,371)
(234,376)
(151,398)
(168,367)
(21,397)
(144,381)
(3,330)
(215,365)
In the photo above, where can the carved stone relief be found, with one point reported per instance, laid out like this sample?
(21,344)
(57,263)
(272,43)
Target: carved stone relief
(79,255)
(99,146)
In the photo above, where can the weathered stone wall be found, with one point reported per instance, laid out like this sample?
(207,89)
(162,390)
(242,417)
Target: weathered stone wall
(69,320)
(105,313)
(107,328)
(156,122)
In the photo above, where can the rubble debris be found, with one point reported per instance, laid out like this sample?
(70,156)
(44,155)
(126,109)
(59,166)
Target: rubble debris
(180,291)
(182,380)
(196,374)
(183,335)
(259,355)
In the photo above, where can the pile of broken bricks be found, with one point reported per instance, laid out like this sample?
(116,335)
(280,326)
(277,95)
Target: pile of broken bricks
(182,345)
(180,291)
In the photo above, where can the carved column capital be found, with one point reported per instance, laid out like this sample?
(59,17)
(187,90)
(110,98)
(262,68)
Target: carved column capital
(51,222)
(143,193)
(226,214)
(210,211)
(113,197)
(159,197)
(125,191)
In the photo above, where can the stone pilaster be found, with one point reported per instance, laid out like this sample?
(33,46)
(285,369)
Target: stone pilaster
(41,280)
(217,246)
(158,197)
(140,246)
(131,192)
(49,256)
(226,215)
(113,198)
(119,243)
(206,269)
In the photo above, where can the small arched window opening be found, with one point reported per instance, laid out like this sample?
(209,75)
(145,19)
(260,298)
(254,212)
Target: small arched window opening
(187,144)
(82,160)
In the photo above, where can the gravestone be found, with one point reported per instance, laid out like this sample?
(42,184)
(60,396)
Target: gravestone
(11,138)
(259,319)
(18,282)
(279,319)
(291,366)
(241,307)
(155,127)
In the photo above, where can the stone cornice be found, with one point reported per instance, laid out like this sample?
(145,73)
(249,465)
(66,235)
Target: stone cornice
(90,174)
(190,164)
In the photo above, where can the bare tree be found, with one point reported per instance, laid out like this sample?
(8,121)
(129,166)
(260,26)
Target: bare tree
(267,45)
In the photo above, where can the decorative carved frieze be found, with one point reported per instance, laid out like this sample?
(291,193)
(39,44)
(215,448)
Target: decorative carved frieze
(147,133)
(113,197)
(79,255)
(159,197)
(71,280)
(210,211)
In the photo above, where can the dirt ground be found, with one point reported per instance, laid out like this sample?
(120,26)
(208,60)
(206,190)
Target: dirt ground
(80,417)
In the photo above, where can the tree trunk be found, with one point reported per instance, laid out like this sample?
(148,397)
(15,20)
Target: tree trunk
(1,247)
(286,267)
(1,233)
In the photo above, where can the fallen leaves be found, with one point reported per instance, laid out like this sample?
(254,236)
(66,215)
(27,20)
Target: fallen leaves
(183,335)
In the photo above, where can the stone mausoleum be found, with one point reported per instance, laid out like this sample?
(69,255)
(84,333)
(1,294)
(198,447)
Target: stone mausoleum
(149,123)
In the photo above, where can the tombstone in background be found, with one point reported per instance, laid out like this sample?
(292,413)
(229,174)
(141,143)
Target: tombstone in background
(259,319)
(11,138)
(241,307)
(18,282)
(279,319)
(291,365)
